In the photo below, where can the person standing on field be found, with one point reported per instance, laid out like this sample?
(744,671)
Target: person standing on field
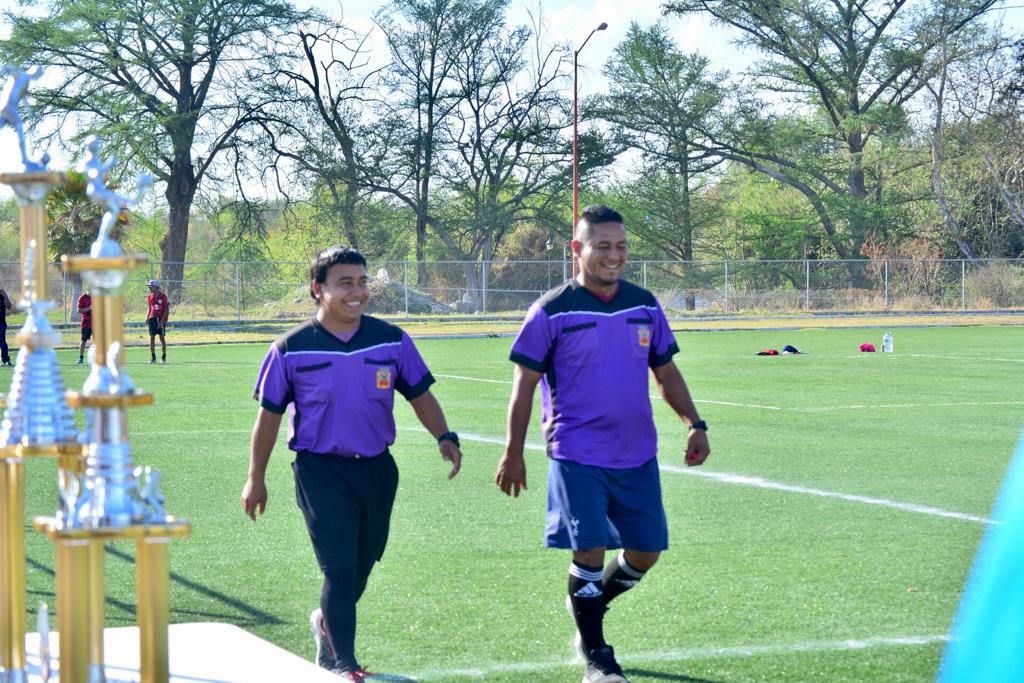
(591,343)
(5,307)
(336,377)
(156,320)
(85,311)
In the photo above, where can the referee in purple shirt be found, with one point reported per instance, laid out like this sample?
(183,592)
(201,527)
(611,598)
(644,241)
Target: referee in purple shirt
(336,377)
(590,343)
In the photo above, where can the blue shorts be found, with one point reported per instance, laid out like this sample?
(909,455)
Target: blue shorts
(594,507)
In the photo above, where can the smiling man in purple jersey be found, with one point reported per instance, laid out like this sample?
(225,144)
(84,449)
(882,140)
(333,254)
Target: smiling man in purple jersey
(336,377)
(591,343)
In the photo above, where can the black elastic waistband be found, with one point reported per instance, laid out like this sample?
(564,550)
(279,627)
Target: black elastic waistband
(346,456)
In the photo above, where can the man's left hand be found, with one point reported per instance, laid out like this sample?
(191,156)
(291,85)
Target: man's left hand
(697,448)
(451,453)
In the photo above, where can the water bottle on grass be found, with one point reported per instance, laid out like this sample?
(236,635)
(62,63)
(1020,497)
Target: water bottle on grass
(887,342)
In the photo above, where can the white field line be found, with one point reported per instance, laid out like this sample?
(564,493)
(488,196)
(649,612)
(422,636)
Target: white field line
(970,358)
(724,477)
(476,379)
(721,403)
(957,404)
(758,482)
(813,409)
(738,405)
(685,655)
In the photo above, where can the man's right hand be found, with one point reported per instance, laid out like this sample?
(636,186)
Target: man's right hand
(254,497)
(511,475)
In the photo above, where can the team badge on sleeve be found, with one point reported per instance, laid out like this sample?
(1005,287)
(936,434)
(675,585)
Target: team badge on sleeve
(643,334)
(383,378)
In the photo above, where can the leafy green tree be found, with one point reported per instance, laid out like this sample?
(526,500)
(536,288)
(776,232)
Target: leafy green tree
(664,103)
(10,242)
(166,84)
(657,203)
(856,65)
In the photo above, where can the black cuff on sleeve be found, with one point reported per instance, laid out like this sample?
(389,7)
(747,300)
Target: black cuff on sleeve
(414,392)
(526,362)
(658,361)
(270,406)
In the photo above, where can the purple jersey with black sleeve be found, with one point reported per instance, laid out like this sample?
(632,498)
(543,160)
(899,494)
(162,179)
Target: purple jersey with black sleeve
(340,395)
(595,358)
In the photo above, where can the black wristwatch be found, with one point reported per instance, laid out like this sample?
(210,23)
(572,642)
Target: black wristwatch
(449,436)
(700,424)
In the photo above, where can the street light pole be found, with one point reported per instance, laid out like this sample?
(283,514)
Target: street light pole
(575,138)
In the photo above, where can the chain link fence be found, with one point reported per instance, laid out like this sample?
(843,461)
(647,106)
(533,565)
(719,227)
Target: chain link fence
(255,291)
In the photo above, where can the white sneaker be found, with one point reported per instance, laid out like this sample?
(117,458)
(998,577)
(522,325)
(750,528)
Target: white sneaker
(324,656)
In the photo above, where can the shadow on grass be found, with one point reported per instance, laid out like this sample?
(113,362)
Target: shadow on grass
(241,614)
(662,676)
(250,615)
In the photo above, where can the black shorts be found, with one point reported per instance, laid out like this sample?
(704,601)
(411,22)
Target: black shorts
(86,334)
(347,505)
(155,328)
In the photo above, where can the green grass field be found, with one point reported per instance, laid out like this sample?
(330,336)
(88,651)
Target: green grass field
(762,583)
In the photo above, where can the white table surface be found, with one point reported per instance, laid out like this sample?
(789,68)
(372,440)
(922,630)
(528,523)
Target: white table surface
(198,653)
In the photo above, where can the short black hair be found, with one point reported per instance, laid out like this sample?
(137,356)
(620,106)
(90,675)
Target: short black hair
(599,213)
(331,256)
(593,215)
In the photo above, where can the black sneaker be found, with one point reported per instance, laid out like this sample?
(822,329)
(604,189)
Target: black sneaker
(602,667)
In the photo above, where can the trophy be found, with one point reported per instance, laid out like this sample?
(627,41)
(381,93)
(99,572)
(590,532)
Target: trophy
(37,421)
(111,499)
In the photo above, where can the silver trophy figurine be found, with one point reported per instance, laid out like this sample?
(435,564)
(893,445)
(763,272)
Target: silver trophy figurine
(10,116)
(95,170)
(36,414)
(110,494)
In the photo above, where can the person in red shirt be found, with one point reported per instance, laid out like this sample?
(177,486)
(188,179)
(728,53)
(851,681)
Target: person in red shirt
(159,307)
(85,310)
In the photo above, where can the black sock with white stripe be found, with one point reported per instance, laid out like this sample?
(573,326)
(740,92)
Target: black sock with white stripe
(587,598)
(619,577)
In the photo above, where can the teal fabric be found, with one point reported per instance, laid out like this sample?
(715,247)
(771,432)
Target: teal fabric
(987,640)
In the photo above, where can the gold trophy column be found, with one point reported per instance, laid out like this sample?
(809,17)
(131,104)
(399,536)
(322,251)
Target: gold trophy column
(31,189)
(33,227)
(16,594)
(108,323)
(5,596)
(152,585)
(72,608)
(96,600)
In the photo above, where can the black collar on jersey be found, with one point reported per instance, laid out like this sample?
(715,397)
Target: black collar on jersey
(313,336)
(572,297)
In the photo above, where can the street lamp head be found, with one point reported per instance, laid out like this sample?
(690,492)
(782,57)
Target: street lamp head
(602,26)
(548,245)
